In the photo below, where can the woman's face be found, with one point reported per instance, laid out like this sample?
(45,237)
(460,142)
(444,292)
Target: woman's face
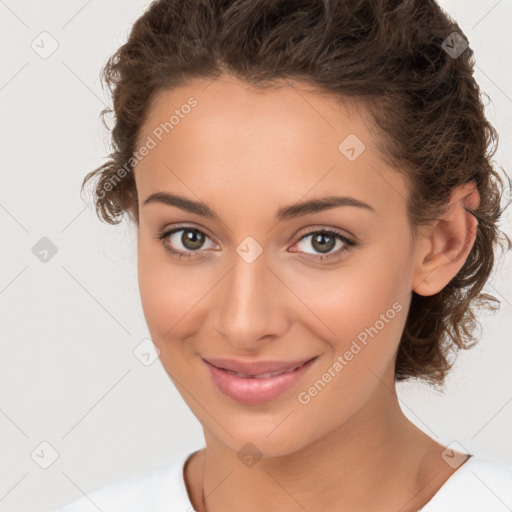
(249,285)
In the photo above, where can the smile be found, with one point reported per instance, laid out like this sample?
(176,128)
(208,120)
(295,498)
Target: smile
(255,387)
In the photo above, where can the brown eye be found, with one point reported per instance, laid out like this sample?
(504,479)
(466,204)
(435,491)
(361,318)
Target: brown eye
(192,239)
(323,242)
(182,242)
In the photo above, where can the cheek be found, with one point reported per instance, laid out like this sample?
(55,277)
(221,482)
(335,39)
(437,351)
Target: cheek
(360,312)
(367,316)
(342,303)
(367,308)
(167,293)
(366,321)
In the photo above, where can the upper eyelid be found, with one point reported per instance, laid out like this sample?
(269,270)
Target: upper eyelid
(318,229)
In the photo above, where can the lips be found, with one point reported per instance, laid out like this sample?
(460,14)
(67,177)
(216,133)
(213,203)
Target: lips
(257,369)
(263,375)
(257,382)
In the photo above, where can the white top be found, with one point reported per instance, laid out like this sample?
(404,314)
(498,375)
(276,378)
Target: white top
(479,485)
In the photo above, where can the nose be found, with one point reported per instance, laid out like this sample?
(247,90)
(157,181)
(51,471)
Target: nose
(251,305)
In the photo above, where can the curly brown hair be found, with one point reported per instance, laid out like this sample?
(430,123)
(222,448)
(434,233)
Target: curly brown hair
(387,55)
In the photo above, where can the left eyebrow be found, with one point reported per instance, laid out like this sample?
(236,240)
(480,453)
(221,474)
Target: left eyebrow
(283,214)
(318,205)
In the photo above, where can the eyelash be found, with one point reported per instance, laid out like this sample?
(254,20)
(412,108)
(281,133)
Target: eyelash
(349,245)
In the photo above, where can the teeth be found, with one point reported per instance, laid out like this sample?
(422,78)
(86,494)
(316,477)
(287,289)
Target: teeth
(263,375)
(267,375)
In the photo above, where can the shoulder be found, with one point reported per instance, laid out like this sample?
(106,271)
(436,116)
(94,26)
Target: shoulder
(161,488)
(479,484)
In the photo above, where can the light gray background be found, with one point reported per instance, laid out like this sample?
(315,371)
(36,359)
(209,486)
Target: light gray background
(69,326)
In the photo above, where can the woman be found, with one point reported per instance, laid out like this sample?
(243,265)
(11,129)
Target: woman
(317,213)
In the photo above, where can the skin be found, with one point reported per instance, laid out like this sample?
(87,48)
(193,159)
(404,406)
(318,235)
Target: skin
(246,154)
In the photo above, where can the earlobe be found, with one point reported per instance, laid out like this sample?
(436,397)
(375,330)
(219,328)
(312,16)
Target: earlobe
(448,242)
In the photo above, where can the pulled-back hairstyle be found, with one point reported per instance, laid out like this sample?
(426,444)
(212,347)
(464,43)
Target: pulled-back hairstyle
(385,55)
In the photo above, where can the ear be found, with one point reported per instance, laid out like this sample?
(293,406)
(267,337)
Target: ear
(446,244)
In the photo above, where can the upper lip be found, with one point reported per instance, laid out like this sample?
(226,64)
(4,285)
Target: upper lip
(256,367)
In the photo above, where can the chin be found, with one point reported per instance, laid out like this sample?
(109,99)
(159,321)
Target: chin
(260,439)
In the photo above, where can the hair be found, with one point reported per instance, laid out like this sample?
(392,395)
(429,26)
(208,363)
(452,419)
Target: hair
(386,56)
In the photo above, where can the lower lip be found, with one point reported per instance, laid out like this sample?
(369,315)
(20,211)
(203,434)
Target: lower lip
(256,391)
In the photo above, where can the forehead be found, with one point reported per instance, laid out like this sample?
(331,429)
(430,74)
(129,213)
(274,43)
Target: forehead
(219,140)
